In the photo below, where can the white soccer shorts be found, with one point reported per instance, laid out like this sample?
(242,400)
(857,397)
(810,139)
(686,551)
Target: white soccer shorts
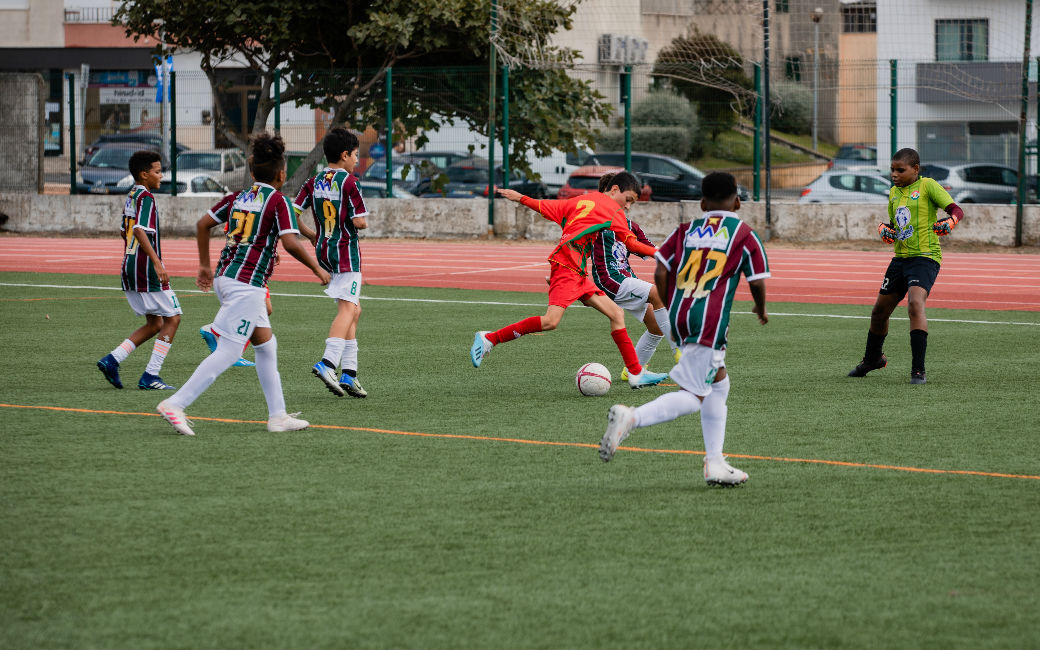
(158,303)
(697,368)
(242,309)
(345,286)
(633,296)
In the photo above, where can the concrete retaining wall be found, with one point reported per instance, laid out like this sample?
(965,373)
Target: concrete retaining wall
(468,219)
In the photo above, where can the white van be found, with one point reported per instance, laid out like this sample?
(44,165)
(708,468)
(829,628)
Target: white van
(553,169)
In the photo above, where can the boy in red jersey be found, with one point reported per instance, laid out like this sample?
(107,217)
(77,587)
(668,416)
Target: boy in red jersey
(261,216)
(145,281)
(581,217)
(339,213)
(698,270)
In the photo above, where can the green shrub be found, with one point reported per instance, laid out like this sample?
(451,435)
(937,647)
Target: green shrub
(672,141)
(792,107)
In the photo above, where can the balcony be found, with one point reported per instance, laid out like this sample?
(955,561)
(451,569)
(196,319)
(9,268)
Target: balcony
(89,15)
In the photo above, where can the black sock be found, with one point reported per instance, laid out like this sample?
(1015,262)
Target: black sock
(329,363)
(874,343)
(918,346)
(350,373)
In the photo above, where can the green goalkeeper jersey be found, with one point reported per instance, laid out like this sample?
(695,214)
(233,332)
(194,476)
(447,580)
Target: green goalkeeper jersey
(912,212)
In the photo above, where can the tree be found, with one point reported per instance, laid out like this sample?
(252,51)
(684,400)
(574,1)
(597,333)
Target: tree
(333,55)
(708,72)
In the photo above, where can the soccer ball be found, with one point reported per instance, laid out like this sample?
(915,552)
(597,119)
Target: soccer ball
(593,379)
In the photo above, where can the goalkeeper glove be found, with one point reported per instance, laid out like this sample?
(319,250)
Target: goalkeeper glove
(943,227)
(887,232)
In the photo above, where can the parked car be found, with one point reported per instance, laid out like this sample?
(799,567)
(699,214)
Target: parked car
(107,171)
(670,179)
(193,182)
(847,186)
(978,182)
(228,166)
(586,179)
(442,159)
(854,156)
(415,175)
(145,138)
(469,179)
(371,189)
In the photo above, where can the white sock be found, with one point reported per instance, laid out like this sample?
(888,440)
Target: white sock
(159,352)
(661,316)
(646,346)
(350,353)
(123,351)
(213,366)
(270,380)
(713,419)
(666,408)
(333,350)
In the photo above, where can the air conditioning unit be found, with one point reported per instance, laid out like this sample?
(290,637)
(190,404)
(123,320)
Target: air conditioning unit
(612,49)
(635,50)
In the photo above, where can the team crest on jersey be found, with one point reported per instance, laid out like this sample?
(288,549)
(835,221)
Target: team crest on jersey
(915,195)
(707,237)
(325,186)
(250,199)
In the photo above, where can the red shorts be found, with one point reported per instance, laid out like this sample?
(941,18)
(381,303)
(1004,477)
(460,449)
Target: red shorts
(566,286)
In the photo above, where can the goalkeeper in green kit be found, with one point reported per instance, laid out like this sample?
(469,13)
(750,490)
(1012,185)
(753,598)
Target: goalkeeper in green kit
(914,230)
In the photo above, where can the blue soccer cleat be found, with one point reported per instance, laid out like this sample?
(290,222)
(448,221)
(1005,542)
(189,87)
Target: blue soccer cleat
(480,348)
(243,363)
(352,386)
(149,381)
(646,378)
(327,376)
(210,338)
(109,367)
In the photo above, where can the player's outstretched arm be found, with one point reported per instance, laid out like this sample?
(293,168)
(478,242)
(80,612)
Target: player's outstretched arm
(507,193)
(758,294)
(204,277)
(291,244)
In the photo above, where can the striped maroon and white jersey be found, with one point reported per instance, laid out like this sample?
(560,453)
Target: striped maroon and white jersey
(335,201)
(138,272)
(255,219)
(705,259)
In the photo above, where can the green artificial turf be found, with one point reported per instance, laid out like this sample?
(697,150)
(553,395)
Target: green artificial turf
(500,527)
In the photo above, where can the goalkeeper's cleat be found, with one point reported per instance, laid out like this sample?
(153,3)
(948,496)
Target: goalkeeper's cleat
(243,363)
(620,422)
(917,377)
(719,472)
(944,227)
(175,416)
(109,367)
(286,422)
(149,381)
(352,386)
(327,376)
(887,232)
(210,338)
(865,366)
(646,378)
(480,348)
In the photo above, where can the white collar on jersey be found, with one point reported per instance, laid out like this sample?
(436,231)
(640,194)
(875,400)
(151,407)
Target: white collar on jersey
(719,213)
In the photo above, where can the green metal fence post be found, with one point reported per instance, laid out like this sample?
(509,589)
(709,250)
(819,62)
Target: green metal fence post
(173,133)
(627,86)
(277,100)
(893,105)
(505,125)
(389,132)
(72,133)
(1020,203)
(756,154)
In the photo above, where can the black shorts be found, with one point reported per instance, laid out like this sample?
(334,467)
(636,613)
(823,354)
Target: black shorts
(905,272)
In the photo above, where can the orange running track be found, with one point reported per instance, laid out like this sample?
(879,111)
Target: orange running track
(966,281)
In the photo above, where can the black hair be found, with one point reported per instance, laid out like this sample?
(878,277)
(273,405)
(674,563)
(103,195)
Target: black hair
(336,142)
(908,155)
(606,180)
(626,181)
(142,161)
(718,186)
(268,157)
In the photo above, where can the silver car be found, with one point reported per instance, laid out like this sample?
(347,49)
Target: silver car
(228,166)
(977,182)
(847,186)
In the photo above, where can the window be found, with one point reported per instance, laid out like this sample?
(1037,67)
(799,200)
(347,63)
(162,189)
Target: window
(844,182)
(962,40)
(660,167)
(793,68)
(858,19)
(783,6)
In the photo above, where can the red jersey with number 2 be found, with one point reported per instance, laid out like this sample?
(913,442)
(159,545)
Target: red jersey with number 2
(580,217)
